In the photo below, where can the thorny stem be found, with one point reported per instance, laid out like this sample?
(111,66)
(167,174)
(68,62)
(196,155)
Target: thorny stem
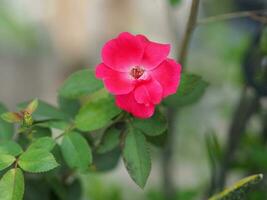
(169,188)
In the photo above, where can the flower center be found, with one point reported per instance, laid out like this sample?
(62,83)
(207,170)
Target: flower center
(137,72)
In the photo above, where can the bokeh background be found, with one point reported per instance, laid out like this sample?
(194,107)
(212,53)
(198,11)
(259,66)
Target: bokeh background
(43,41)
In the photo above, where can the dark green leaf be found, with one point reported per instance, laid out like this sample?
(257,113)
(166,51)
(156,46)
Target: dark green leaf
(37,160)
(159,140)
(45,111)
(153,126)
(80,83)
(136,156)
(110,140)
(12,185)
(191,89)
(6,160)
(69,106)
(263,42)
(107,161)
(6,129)
(10,147)
(96,114)
(76,151)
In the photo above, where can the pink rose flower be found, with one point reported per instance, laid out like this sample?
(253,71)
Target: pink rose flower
(138,72)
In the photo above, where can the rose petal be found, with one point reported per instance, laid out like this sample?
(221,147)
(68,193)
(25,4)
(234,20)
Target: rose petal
(128,103)
(123,52)
(154,53)
(149,93)
(116,82)
(168,75)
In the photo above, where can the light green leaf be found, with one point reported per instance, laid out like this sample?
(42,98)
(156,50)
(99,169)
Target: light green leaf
(12,185)
(153,126)
(110,140)
(80,83)
(190,90)
(96,115)
(6,160)
(10,147)
(76,151)
(136,156)
(238,190)
(37,160)
(43,143)
(11,117)
(6,129)
(32,106)
(45,111)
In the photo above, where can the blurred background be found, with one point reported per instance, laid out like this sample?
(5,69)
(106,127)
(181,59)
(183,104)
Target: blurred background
(219,139)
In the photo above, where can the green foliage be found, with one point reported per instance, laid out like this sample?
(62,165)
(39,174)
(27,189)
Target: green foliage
(45,111)
(76,151)
(106,161)
(239,189)
(110,140)
(11,117)
(69,106)
(96,114)
(80,83)
(37,160)
(191,89)
(136,156)
(153,126)
(6,129)
(12,185)
(43,143)
(6,160)
(10,147)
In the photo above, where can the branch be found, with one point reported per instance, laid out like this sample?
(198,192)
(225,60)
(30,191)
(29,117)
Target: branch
(189,31)
(252,13)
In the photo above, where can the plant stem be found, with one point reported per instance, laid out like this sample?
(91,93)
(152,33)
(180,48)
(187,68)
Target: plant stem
(191,24)
(228,16)
(169,188)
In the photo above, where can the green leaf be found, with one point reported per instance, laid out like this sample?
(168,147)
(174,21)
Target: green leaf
(153,126)
(45,111)
(44,143)
(6,160)
(12,185)
(238,190)
(10,147)
(37,160)
(32,106)
(11,117)
(159,140)
(80,83)
(107,161)
(191,89)
(69,106)
(76,151)
(136,156)
(57,124)
(6,129)
(96,114)
(110,140)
